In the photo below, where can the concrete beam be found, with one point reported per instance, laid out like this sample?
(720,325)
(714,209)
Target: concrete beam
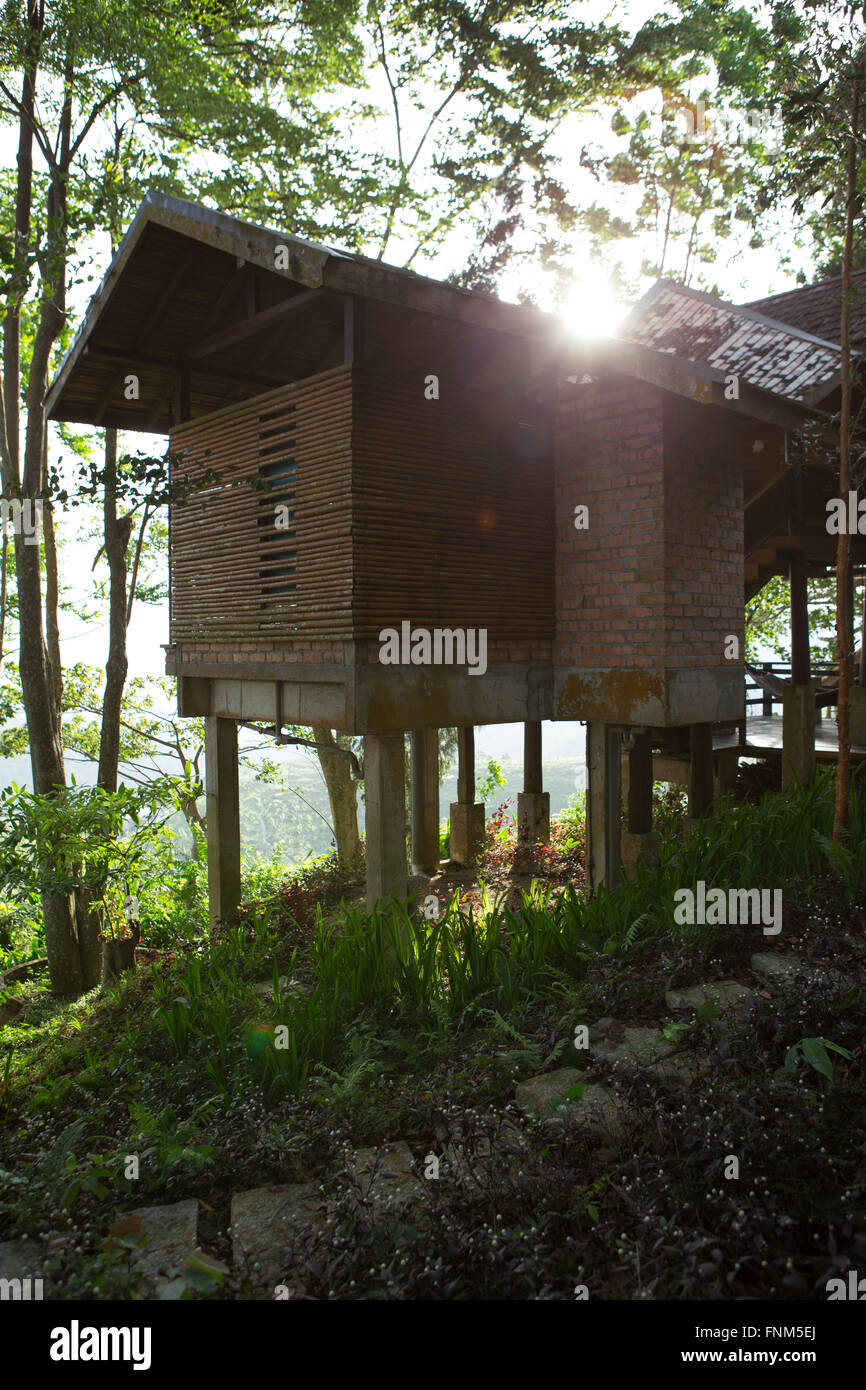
(655,697)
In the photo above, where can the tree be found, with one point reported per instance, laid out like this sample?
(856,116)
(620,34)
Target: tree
(63,68)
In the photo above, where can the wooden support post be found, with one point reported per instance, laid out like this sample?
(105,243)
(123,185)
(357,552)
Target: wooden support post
(425,800)
(639,841)
(701,771)
(385,779)
(640,785)
(223,818)
(604,764)
(799,620)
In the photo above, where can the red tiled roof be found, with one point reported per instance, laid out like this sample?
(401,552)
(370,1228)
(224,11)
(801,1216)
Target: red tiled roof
(818,308)
(734,339)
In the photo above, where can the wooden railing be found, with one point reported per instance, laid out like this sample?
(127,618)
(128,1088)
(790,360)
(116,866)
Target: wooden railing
(760,700)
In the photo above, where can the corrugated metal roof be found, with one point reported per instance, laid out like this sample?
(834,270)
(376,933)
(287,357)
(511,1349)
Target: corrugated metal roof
(735,340)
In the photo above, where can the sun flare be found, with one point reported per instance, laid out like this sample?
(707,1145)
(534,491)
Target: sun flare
(591,309)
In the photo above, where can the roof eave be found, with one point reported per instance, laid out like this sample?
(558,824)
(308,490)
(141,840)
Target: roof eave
(697,382)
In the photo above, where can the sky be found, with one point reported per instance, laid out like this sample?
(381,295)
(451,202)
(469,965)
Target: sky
(593,308)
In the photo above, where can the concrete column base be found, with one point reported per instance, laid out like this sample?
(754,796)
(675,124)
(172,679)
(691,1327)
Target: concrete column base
(798,735)
(857,715)
(533,818)
(644,846)
(466,840)
(689,823)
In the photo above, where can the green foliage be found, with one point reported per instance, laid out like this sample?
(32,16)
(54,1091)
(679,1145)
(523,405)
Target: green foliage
(172,1146)
(817,1053)
(79,838)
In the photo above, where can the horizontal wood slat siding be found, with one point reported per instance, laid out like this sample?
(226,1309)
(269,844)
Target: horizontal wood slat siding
(226,556)
(453,513)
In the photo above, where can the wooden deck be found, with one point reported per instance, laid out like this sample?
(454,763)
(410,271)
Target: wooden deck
(764,736)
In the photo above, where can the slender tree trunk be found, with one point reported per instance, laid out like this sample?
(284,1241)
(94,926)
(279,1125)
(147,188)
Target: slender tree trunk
(341,794)
(116,535)
(4,581)
(52,594)
(73,957)
(844,616)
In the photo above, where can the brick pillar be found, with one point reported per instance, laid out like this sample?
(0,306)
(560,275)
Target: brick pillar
(223,818)
(425,801)
(467,815)
(385,817)
(604,761)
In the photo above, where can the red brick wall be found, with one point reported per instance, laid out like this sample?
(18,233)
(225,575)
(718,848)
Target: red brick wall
(703,534)
(609,578)
(656,581)
(234,653)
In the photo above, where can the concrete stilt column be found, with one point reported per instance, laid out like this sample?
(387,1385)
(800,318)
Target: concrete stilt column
(857,693)
(798,734)
(798,699)
(385,815)
(799,600)
(727,761)
(223,818)
(639,840)
(857,715)
(604,764)
(700,771)
(467,815)
(425,801)
(533,804)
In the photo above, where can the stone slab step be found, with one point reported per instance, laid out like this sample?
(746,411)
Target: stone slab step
(730,995)
(265,1223)
(544,1095)
(171,1233)
(22,1260)
(788,970)
(386,1178)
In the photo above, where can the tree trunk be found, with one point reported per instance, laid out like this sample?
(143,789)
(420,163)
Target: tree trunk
(341,795)
(844,616)
(70,971)
(119,955)
(116,536)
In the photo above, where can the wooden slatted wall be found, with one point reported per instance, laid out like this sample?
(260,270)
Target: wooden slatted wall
(233,574)
(453,503)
